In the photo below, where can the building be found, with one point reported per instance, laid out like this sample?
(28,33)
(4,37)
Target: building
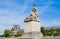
(15,29)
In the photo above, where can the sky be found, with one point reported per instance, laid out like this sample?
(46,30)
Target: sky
(15,11)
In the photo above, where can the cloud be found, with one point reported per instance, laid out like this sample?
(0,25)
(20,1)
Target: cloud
(8,18)
(46,5)
(56,22)
(15,11)
(9,3)
(50,23)
(10,14)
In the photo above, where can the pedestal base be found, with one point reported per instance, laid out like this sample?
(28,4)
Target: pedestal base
(35,35)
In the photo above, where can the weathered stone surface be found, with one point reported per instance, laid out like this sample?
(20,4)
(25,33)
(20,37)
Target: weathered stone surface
(15,38)
(32,25)
(48,37)
(33,16)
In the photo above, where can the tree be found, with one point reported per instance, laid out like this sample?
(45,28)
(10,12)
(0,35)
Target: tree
(56,34)
(7,33)
(17,34)
(46,33)
(42,29)
(51,32)
(58,31)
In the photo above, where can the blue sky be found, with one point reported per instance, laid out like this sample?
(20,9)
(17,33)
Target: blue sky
(15,11)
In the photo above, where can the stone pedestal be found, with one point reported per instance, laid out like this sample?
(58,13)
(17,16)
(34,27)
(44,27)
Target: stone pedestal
(35,35)
(32,25)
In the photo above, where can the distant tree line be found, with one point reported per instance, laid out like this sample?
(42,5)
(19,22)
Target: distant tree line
(45,32)
(50,32)
(7,33)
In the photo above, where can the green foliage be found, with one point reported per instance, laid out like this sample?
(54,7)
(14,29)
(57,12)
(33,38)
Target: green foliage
(50,32)
(56,34)
(42,29)
(58,31)
(1,35)
(45,33)
(7,33)
(17,35)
